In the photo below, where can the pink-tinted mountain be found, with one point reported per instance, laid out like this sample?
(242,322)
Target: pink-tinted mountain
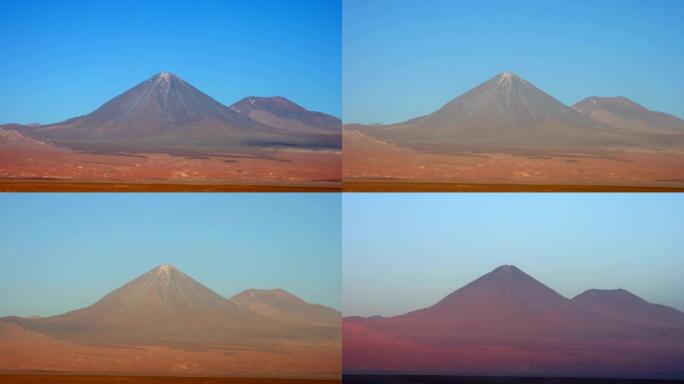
(166,111)
(508,323)
(624,113)
(622,306)
(166,306)
(284,307)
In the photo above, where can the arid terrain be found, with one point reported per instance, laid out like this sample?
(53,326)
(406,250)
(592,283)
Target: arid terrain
(164,134)
(167,324)
(507,135)
(448,379)
(506,323)
(50,168)
(30,378)
(370,165)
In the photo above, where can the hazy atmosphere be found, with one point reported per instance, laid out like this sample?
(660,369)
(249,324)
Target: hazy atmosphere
(406,58)
(407,251)
(65,251)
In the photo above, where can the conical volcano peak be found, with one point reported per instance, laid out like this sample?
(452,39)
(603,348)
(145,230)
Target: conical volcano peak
(505,82)
(507,275)
(508,270)
(506,78)
(165,269)
(166,81)
(164,76)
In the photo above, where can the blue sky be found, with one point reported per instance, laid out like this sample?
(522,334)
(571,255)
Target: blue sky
(407,251)
(62,59)
(65,251)
(406,58)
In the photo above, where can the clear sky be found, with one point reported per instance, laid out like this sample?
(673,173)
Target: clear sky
(407,251)
(65,251)
(62,59)
(406,58)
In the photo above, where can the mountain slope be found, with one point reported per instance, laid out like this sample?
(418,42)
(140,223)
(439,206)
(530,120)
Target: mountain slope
(504,112)
(282,113)
(15,138)
(623,113)
(167,111)
(625,307)
(283,307)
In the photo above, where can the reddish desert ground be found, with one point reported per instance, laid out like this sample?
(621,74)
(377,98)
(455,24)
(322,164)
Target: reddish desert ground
(165,323)
(26,351)
(370,164)
(45,167)
(70,379)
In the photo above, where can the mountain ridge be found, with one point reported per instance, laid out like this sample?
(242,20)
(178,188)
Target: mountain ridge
(507,323)
(626,114)
(507,113)
(166,305)
(165,110)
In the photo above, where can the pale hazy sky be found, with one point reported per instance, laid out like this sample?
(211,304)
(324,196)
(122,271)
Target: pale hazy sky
(61,252)
(407,251)
(406,58)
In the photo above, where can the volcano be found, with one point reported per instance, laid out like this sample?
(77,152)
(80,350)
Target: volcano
(284,307)
(505,304)
(504,112)
(284,114)
(620,305)
(626,114)
(166,111)
(165,323)
(508,323)
(166,305)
